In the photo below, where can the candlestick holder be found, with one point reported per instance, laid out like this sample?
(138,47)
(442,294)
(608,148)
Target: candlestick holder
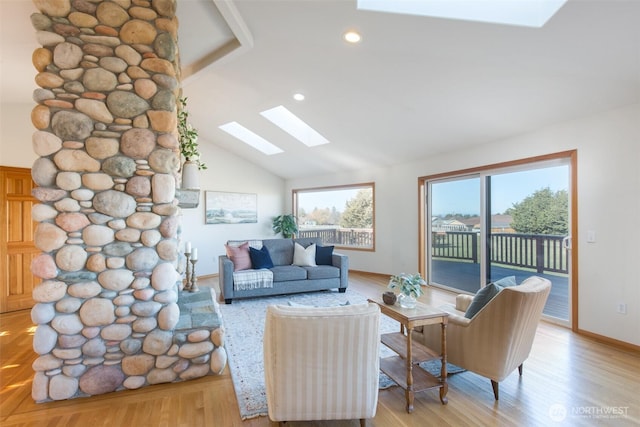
(187,285)
(194,279)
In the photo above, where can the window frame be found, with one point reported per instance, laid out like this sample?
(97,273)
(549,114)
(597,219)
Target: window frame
(357,186)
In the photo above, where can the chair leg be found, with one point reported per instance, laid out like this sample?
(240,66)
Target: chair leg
(520,369)
(363,422)
(494,385)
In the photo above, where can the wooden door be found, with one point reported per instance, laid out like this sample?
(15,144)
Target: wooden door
(16,248)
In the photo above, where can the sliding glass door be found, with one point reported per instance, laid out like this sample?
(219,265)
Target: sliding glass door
(529,229)
(501,222)
(454,233)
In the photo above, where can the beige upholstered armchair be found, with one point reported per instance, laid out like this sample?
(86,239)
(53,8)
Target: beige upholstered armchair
(499,337)
(322,363)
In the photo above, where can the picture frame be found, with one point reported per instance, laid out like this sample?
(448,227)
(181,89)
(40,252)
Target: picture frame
(223,207)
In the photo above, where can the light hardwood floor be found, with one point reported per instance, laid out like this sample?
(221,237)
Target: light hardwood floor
(589,382)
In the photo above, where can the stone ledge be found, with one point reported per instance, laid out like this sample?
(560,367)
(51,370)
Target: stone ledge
(198,310)
(188,199)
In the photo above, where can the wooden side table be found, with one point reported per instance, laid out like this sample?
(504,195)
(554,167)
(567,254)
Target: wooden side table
(400,368)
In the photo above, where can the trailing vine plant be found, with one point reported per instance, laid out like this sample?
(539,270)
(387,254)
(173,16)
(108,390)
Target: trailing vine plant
(188,136)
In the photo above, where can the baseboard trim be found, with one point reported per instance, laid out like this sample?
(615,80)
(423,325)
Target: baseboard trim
(623,345)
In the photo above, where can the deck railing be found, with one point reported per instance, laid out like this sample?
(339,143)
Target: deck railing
(359,238)
(541,252)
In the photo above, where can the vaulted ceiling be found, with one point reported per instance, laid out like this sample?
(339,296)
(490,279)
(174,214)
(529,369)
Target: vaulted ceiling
(413,87)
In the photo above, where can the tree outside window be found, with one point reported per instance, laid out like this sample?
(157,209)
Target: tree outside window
(341,216)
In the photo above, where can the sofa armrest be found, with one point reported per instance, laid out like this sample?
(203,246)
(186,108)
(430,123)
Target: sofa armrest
(342,262)
(463,302)
(225,276)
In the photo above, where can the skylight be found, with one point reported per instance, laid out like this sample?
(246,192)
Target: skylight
(527,13)
(294,126)
(248,137)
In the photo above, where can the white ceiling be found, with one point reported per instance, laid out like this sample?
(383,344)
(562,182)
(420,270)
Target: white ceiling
(414,87)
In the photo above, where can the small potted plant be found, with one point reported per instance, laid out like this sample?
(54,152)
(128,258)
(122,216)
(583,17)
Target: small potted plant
(410,288)
(285,224)
(188,139)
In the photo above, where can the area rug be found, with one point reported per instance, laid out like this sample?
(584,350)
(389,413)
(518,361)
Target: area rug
(244,327)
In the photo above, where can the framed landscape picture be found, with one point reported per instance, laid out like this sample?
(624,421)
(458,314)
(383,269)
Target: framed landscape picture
(230,208)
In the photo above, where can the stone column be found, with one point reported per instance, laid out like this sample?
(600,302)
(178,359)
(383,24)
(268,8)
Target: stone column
(108,79)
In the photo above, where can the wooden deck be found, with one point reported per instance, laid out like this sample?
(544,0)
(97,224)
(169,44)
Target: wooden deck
(464,276)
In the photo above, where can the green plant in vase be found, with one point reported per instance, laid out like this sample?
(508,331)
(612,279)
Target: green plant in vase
(285,224)
(410,286)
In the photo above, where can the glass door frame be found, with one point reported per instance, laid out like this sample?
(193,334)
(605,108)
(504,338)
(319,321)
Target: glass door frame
(424,212)
(427,274)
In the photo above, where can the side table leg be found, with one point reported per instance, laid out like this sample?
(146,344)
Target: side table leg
(444,388)
(409,391)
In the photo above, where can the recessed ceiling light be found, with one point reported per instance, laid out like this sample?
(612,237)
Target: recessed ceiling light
(248,137)
(352,36)
(298,97)
(527,13)
(294,126)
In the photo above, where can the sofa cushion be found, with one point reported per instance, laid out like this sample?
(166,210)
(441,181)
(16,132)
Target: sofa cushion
(482,297)
(284,273)
(304,256)
(324,255)
(239,255)
(280,250)
(323,272)
(260,258)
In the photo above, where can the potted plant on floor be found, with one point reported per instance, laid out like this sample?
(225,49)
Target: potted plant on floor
(410,288)
(188,139)
(285,224)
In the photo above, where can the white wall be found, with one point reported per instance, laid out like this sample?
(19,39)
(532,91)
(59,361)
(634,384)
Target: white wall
(608,147)
(15,135)
(227,172)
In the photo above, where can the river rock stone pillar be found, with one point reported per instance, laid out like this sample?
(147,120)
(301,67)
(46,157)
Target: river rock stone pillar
(105,120)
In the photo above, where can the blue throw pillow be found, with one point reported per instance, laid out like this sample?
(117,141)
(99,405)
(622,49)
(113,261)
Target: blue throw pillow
(260,258)
(324,255)
(482,297)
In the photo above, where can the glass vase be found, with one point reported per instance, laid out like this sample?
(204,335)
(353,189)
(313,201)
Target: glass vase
(407,301)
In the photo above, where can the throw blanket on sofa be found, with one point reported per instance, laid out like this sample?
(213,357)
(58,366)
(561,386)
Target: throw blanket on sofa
(244,280)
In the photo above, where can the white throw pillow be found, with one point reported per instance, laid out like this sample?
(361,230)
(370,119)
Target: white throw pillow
(304,257)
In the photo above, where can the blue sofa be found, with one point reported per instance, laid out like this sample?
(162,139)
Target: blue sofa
(286,278)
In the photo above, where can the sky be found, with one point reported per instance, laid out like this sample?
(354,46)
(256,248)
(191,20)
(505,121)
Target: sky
(463,196)
(335,198)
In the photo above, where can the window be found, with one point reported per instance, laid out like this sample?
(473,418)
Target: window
(342,216)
